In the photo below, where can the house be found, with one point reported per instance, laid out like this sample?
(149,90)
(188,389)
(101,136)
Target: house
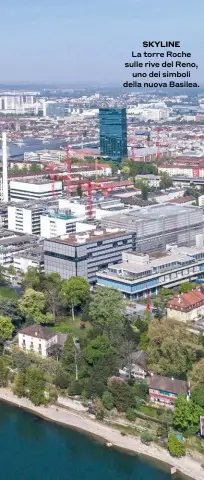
(187,306)
(39,340)
(137,366)
(165,390)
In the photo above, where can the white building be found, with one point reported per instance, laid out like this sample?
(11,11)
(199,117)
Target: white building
(22,104)
(37,188)
(36,339)
(56,223)
(31,258)
(11,244)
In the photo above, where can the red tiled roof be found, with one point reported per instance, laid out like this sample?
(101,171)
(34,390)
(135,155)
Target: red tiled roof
(186,301)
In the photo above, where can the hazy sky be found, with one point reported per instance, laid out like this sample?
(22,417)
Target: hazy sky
(90,40)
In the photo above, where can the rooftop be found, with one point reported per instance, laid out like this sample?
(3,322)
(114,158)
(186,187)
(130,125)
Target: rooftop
(167,384)
(186,301)
(91,237)
(38,331)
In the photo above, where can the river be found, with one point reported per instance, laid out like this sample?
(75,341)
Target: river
(34,449)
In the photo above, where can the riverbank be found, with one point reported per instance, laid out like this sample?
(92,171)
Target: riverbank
(186,465)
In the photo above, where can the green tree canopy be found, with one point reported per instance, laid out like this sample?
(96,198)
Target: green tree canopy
(187,287)
(76,292)
(123,394)
(197,394)
(165,181)
(35,385)
(32,279)
(6,328)
(186,414)
(172,349)
(97,348)
(106,311)
(53,293)
(32,305)
(175,446)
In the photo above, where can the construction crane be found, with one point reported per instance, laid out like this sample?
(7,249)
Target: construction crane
(52,170)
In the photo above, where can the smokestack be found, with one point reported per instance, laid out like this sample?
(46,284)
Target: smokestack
(5,167)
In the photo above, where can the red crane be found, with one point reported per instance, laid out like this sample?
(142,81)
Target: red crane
(52,167)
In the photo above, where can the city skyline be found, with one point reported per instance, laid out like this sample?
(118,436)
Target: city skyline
(86,42)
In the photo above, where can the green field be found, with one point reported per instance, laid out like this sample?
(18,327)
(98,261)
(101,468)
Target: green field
(66,325)
(8,292)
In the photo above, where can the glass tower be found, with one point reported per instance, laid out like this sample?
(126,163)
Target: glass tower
(113,132)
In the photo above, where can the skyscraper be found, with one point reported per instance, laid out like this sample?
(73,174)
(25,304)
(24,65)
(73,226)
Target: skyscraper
(113,132)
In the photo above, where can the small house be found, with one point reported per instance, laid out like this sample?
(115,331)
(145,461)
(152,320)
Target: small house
(165,390)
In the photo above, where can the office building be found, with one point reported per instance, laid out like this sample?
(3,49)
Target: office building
(24,217)
(113,132)
(84,254)
(33,189)
(159,225)
(56,222)
(140,274)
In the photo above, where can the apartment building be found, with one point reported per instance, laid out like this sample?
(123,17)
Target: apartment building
(159,225)
(140,274)
(84,254)
(30,258)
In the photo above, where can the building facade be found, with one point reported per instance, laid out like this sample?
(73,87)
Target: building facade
(57,223)
(83,255)
(113,132)
(165,390)
(36,339)
(33,189)
(141,274)
(159,225)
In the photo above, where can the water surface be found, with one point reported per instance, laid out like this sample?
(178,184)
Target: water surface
(32,449)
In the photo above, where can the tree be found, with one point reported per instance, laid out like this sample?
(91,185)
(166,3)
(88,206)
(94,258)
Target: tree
(197,373)
(53,293)
(6,328)
(131,414)
(197,395)
(187,287)
(144,191)
(175,446)
(32,279)
(35,384)
(9,308)
(123,394)
(79,190)
(2,275)
(76,292)
(19,387)
(106,311)
(97,348)
(32,305)
(165,181)
(4,372)
(141,389)
(11,270)
(107,400)
(172,349)
(146,437)
(186,414)
(166,292)
(69,356)
(20,361)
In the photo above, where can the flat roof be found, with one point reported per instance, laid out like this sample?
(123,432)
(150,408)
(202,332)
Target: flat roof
(89,237)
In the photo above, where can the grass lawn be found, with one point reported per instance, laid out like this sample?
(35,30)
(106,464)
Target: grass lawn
(66,325)
(8,292)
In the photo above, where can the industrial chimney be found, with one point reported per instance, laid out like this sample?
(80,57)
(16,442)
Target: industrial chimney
(5,167)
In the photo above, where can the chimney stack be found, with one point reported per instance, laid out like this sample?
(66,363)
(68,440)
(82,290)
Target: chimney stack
(5,167)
